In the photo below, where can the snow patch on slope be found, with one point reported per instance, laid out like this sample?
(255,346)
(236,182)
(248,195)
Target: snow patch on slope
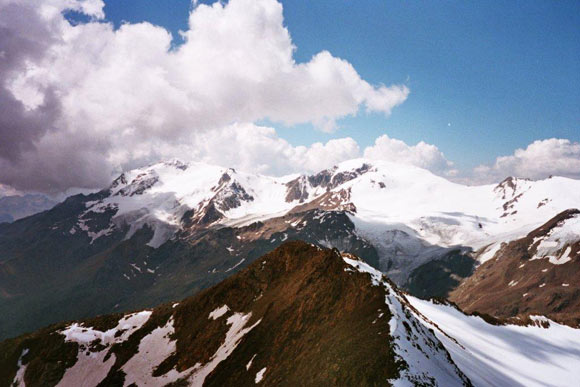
(91,368)
(153,350)
(218,312)
(127,325)
(555,246)
(19,377)
(237,331)
(260,375)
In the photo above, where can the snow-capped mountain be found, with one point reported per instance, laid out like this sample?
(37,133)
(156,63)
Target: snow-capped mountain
(300,315)
(380,196)
(538,272)
(171,229)
(407,213)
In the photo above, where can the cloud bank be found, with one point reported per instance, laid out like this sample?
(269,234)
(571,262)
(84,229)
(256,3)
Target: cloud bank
(539,160)
(422,155)
(79,101)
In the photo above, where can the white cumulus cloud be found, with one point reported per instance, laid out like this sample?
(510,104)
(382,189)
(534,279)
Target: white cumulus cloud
(422,155)
(259,149)
(540,159)
(79,101)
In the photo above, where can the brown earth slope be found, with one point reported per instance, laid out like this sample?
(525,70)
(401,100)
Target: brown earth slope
(297,316)
(512,284)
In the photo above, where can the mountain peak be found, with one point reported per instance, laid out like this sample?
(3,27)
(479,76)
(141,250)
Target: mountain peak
(274,319)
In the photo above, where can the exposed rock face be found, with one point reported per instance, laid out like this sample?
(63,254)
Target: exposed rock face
(328,179)
(343,177)
(534,275)
(510,187)
(297,190)
(138,185)
(329,201)
(511,190)
(232,196)
(300,315)
(121,180)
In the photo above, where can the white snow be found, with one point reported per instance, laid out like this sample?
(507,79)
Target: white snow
(417,217)
(260,375)
(419,214)
(19,377)
(128,324)
(508,355)
(90,368)
(490,252)
(174,188)
(237,331)
(236,265)
(153,349)
(555,246)
(218,312)
(249,365)
(81,224)
(427,363)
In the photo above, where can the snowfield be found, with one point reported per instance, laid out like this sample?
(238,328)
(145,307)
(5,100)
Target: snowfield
(410,215)
(506,355)
(489,355)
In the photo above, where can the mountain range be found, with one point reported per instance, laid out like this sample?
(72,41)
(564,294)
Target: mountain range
(367,273)
(169,230)
(300,315)
(13,207)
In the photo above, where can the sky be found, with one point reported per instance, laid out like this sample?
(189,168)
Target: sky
(473,91)
(503,74)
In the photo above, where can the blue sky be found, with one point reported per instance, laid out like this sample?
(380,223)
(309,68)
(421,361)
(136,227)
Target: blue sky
(485,78)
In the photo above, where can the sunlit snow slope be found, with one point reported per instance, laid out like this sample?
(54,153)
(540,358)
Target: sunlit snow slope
(546,354)
(409,214)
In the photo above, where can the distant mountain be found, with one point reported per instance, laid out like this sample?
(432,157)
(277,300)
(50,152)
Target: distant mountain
(300,315)
(15,207)
(534,275)
(169,230)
